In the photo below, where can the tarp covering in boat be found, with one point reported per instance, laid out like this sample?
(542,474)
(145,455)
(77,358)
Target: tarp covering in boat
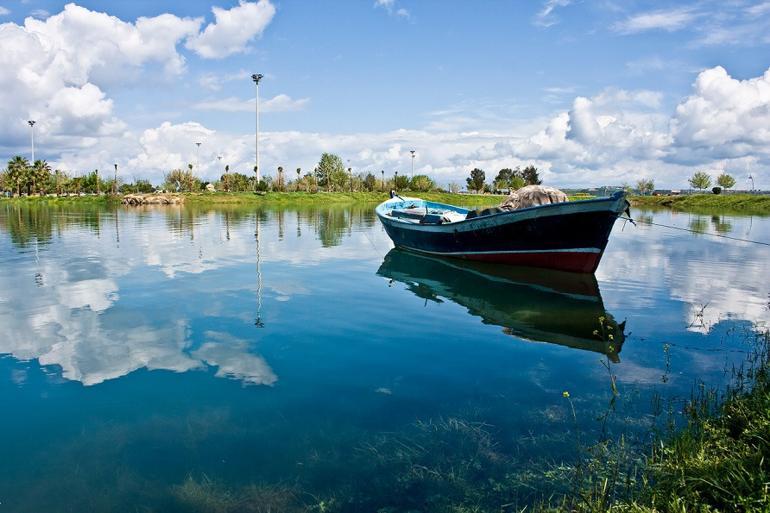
(532,196)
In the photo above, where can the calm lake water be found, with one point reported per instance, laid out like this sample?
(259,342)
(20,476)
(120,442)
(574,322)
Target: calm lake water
(183,359)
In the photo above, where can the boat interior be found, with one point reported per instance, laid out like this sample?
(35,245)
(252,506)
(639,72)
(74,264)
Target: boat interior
(417,211)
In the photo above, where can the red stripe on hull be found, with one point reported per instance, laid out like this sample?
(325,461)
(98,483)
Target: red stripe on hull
(578,262)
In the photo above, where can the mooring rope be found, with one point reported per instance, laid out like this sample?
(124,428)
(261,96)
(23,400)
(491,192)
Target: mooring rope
(650,223)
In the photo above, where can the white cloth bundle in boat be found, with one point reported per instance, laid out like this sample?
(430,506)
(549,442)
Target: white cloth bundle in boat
(450,216)
(533,195)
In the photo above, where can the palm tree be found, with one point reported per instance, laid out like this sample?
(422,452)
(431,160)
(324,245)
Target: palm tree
(40,174)
(18,171)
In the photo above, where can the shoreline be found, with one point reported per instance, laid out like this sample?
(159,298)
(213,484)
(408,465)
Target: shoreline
(269,198)
(741,204)
(738,204)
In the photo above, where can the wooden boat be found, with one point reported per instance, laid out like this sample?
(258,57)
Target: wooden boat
(535,305)
(568,236)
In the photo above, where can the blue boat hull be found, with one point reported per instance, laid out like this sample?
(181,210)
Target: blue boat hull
(568,236)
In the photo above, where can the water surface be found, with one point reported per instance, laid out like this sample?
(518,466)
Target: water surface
(170,359)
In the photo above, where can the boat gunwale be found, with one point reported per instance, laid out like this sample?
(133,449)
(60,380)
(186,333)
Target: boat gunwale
(495,218)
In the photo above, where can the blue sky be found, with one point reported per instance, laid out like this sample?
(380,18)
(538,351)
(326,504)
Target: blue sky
(590,92)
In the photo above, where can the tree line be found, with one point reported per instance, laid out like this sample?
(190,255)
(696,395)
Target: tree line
(329,174)
(22,177)
(700,180)
(507,179)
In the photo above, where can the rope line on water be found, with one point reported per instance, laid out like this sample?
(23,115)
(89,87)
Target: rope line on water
(650,223)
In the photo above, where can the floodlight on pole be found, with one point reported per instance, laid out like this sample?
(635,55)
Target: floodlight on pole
(256,77)
(115,184)
(31,123)
(412,152)
(197,155)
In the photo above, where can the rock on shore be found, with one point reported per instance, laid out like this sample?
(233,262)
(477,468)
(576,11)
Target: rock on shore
(152,199)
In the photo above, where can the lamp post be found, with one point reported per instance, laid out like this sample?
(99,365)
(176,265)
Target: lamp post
(115,182)
(256,77)
(197,155)
(219,160)
(31,123)
(395,181)
(383,179)
(412,152)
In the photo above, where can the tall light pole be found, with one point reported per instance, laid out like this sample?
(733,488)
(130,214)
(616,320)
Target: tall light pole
(115,183)
(31,123)
(197,155)
(412,152)
(256,77)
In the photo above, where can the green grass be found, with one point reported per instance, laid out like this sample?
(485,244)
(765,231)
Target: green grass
(719,462)
(324,198)
(61,200)
(708,203)
(289,199)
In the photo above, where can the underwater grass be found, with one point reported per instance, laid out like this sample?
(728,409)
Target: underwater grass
(720,461)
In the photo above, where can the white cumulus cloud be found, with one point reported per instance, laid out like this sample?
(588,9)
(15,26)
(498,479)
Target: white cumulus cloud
(232,29)
(725,111)
(55,70)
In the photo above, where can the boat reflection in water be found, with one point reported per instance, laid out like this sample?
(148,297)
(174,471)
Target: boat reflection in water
(531,304)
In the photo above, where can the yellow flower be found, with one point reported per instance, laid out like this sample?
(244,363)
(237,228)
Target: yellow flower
(565,394)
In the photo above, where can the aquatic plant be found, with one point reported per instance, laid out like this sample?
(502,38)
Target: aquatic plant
(206,496)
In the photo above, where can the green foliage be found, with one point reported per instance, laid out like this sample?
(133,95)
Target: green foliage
(17,173)
(645,186)
(181,181)
(331,173)
(517,182)
(726,181)
(422,183)
(700,180)
(236,182)
(91,183)
(370,183)
(476,181)
(401,182)
(137,187)
(531,176)
(504,176)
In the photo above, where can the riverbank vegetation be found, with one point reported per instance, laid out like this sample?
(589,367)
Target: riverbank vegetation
(708,203)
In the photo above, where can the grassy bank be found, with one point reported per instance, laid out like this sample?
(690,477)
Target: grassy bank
(62,200)
(324,198)
(748,204)
(274,198)
(288,199)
